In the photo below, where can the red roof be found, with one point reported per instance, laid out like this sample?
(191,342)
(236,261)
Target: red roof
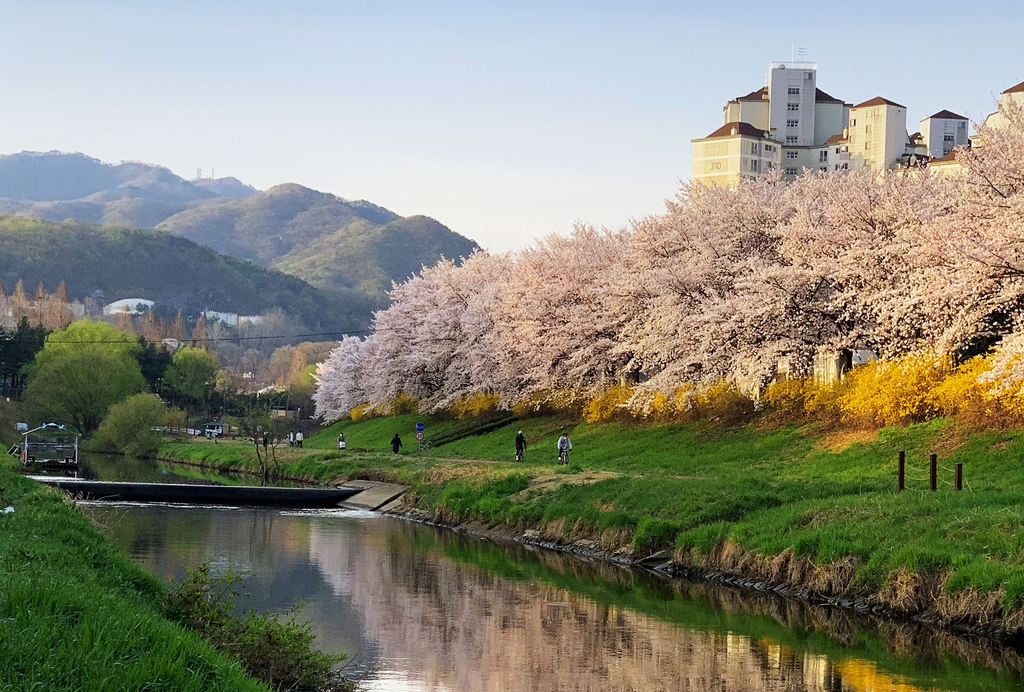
(835,139)
(821,97)
(1015,89)
(878,101)
(745,129)
(948,115)
(759,95)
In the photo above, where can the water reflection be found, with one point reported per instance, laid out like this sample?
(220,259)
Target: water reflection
(432,610)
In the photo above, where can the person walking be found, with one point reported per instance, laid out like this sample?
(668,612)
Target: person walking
(341,440)
(298,439)
(564,445)
(291,438)
(520,446)
(396,443)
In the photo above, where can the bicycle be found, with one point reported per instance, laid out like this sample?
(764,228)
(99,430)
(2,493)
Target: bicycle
(563,457)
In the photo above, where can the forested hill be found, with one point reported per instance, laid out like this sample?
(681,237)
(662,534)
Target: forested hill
(326,240)
(173,271)
(331,242)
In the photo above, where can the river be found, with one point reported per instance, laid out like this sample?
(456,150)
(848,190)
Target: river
(419,608)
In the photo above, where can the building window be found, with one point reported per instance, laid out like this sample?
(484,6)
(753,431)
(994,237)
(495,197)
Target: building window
(790,171)
(768,148)
(754,166)
(792,139)
(867,145)
(823,155)
(823,169)
(867,129)
(837,150)
(792,154)
(853,122)
(949,138)
(792,123)
(794,91)
(792,106)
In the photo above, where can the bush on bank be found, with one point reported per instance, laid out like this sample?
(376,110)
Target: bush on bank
(78,615)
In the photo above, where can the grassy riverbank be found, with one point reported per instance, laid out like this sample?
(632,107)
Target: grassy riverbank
(803,507)
(79,615)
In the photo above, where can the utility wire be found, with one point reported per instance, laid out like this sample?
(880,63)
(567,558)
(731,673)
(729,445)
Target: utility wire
(224,338)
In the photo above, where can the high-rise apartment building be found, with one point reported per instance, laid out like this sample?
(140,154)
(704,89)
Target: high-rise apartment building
(793,125)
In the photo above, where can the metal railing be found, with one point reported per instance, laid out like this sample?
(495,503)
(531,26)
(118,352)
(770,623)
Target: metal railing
(473,427)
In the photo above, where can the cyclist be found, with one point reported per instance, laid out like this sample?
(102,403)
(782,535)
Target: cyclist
(564,445)
(520,446)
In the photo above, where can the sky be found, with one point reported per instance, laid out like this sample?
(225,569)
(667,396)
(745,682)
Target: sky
(506,121)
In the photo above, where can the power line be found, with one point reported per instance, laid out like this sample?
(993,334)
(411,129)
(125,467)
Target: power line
(226,338)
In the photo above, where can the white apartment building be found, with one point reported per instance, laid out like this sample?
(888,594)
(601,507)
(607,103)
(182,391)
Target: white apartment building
(793,125)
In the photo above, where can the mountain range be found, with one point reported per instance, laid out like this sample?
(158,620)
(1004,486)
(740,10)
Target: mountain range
(110,263)
(331,242)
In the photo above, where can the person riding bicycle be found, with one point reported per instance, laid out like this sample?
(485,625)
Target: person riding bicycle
(564,445)
(520,445)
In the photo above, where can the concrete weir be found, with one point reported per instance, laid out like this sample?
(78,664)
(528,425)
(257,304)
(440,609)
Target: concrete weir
(203,494)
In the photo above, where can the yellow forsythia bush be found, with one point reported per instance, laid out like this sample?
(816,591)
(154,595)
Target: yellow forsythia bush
(894,392)
(609,404)
(475,405)
(801,400)
(722,401)
(361,412)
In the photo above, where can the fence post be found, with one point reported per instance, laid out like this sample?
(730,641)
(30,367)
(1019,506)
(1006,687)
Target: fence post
(901,472)
(959,482)
(933,463)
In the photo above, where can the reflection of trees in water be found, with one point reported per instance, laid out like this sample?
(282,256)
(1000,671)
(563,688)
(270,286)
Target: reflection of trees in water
(459,624)
(475,616)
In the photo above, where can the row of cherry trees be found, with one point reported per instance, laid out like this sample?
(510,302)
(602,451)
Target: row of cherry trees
(725,285)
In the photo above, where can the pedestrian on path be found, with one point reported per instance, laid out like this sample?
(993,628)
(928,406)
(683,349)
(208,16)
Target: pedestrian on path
(341,440)
(298,439)
(520,446)
(291,438)
(396,443)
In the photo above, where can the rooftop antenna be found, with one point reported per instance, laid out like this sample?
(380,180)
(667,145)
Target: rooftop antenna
(792,51)
(801,54)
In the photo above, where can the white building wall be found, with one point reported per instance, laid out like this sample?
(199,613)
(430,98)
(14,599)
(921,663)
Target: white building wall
(829,119)
(786,107)
(942,135)
(753,112)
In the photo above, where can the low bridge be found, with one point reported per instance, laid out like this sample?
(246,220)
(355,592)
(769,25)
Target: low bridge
(361,494)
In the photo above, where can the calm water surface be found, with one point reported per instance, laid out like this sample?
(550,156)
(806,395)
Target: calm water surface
(424,609)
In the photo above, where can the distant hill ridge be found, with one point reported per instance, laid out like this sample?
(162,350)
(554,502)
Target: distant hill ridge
(329,241)
(172,271)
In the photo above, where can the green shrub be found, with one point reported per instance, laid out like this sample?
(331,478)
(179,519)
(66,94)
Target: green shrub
(280,653)
(133,426)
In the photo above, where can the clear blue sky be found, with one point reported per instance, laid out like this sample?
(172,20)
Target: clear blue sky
(505,121)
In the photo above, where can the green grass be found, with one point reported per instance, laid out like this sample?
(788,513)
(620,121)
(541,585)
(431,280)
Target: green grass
(75,614)
(686,486)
